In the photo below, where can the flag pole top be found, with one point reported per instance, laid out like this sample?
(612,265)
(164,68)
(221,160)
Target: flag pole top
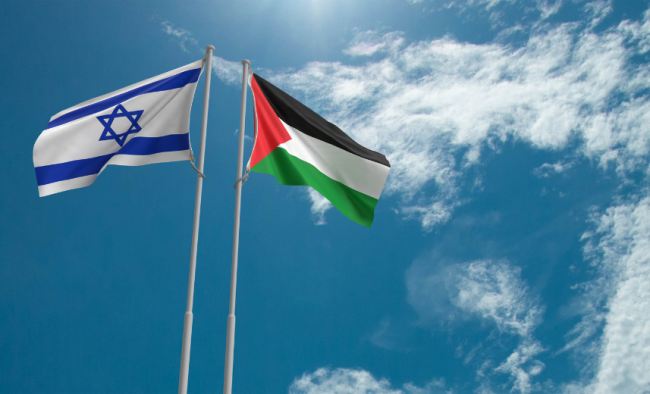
(246,61)
(209,48)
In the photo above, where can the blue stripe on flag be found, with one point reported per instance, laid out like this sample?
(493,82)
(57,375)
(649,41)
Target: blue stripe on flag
(173,82)
(139,146)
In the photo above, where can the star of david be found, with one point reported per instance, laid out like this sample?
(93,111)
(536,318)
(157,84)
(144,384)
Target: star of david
(119,112)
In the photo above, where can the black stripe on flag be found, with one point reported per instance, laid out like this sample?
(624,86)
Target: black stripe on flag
(298,116)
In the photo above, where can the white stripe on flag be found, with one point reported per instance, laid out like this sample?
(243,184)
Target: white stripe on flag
(137,160)
(57,187)
(362,175)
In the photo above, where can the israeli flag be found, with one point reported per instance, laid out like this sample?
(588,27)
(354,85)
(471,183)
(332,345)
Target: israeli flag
(145,123)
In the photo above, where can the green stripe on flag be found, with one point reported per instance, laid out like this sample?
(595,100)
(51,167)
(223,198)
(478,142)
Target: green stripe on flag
(290,170)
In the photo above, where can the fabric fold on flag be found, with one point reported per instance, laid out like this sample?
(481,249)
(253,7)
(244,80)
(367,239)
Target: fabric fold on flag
(145,123)
(300,148)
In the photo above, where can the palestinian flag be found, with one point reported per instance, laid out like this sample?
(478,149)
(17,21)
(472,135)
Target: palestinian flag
(300,148)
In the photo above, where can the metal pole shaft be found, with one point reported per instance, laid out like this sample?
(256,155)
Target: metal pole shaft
(187,326)
(230,336)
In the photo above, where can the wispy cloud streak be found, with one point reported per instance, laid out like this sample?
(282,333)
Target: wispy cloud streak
(183,37)
(356,381)
(370,42)
(227,71)
(617,302)
(490,290)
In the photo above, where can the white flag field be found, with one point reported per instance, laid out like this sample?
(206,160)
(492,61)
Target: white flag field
(145,123)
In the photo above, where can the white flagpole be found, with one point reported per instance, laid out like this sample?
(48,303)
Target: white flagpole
(187,326)
(230,336)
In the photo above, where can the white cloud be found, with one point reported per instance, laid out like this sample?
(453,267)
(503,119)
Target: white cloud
(370,42)
(521,365)
(228,72)
(548,7)
(544,8)
(423,104)
(319,205)
(380,337)
(430,213)
(546,169)
(490,290)
(596,11)
(620,248)
(356,381)
(182,36)
(495,291)
(639,33)
(340,381)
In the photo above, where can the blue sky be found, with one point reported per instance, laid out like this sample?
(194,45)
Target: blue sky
(510,251)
